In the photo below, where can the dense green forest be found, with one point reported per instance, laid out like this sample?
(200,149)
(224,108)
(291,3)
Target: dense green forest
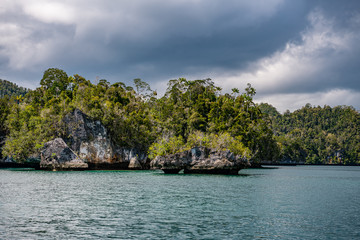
(11,89)
(8,90)
(317,135)
(191,113)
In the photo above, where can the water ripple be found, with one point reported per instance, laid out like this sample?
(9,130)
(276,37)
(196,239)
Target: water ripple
(283,203)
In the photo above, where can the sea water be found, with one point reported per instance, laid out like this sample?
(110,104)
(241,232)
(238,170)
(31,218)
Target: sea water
(301,202)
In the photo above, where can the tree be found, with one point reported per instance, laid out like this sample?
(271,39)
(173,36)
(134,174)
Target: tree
(54,80)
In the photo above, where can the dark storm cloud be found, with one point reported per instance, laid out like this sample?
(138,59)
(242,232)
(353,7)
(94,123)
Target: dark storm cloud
(221,35)
(280,46)
(220,41)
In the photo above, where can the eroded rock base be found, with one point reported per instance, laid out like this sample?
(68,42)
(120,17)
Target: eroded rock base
(201,160)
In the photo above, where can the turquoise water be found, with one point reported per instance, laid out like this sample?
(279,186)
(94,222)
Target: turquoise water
(302,202)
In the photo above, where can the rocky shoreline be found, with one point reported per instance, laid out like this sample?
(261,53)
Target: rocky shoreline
(89,146)
(201,160)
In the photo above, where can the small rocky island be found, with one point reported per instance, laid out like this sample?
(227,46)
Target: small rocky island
(70,123)
(88,146)
(201,160)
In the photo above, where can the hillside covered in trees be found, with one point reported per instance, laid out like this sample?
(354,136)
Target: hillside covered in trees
(317,135)
(11,89)
(191,113)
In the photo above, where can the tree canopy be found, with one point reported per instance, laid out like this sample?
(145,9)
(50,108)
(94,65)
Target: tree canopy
(317,135)
(11,89)
(191,113)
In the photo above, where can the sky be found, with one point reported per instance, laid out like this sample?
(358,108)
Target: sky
(293,52)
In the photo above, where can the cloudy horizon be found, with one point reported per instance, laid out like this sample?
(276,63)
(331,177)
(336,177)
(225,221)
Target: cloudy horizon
(292,52)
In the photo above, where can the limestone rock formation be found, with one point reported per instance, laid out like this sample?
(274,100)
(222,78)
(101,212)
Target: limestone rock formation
(134,164)
(126,158)
(57,155)
(92,142)
(201,160)
(204,160)
(88,138)
(172,163)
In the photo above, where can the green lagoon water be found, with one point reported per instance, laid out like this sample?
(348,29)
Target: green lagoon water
(302,202)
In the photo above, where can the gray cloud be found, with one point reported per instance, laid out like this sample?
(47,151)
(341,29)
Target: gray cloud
(282,47)
(323,63)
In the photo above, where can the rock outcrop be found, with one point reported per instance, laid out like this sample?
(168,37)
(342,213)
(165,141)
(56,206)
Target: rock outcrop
(201,160)
(92,142)
(88,138)
(130,158)
(172,163)
(134,164)
(204,160)
(57,155)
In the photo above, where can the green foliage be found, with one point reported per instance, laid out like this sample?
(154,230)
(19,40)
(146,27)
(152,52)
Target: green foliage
(167,146)
(4,112)
(221,142)
(196,111)
(54,80)
(317,135)
(29,130)
(11,89)
(198,139)
(191,113)
(136,119)
(38,118)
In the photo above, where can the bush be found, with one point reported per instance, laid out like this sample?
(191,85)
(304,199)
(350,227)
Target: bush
(220,142)
(166,146)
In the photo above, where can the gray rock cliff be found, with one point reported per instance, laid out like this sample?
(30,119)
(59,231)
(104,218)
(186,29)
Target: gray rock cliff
(204,160)
(88,138)
(201,160)
(92,142)
(172,163)
(56,155)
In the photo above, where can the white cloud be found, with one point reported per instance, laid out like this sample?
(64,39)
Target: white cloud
(23,50)
(15,48)
(50,11)
(295,101)
(299,66)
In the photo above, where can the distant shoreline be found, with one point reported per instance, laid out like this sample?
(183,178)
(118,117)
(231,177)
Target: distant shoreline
(36,166)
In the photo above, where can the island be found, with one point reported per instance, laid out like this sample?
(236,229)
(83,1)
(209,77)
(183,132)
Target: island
(70,123)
